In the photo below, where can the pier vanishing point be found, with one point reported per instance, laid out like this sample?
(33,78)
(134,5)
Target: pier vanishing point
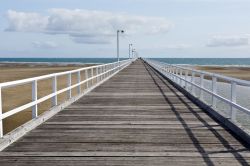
(132,117)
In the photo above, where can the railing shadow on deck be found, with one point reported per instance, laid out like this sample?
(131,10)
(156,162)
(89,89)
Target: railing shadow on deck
(197,144)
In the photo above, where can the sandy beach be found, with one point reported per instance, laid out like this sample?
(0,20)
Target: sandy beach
(20,95)
(232,71)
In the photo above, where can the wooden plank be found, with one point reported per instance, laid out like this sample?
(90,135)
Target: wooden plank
(121,161)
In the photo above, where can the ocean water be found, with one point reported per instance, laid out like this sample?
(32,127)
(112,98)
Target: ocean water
(206,61)
(61,60)
(191,61)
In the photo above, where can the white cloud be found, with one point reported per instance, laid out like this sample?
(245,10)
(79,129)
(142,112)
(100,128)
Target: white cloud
(228,41)
(44,44)
(85,26)
(177,46)
(28,22)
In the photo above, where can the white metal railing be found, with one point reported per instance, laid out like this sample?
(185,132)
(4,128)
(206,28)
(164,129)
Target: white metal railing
(185,77)
(102,72)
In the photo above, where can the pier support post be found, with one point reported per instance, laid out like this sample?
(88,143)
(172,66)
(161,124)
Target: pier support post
(34,98)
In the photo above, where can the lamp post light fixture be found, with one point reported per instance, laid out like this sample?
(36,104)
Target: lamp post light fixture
(130,50)
(118,32)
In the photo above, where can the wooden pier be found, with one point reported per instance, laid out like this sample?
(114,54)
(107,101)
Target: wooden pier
(136,118)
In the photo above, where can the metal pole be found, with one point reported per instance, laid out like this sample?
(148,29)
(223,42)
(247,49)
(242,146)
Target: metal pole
(118,58)
(130,50)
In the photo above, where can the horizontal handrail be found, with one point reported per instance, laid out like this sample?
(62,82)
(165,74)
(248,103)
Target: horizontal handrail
(28,80)
(180,75)
(103,72)
(223,77)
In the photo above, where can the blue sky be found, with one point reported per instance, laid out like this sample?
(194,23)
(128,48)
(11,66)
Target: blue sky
(157,28)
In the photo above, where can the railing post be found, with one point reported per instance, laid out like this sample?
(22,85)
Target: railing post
(92,75)
(113,67)
(101,73)
(181,77)
(86,77)
(97,72)
(186,79)
(172,72)
(54,89)
(175,75)
(166,71)
(78,81)
(34,98)
(69,84)
(1,113)
(105,69)
(202,86)
(109,70)
(214,89)
(192,81)
(233,100)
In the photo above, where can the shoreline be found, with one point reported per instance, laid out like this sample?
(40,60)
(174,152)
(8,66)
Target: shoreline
(17,71)
(239,72)
(47,63)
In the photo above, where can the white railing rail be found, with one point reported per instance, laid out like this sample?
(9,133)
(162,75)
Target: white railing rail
(102,72)
(180,74)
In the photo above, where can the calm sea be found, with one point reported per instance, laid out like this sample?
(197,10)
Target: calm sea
(192,61)
(61,60)
(206,61)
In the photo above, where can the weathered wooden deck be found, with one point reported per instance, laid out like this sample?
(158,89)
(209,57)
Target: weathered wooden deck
(135,118)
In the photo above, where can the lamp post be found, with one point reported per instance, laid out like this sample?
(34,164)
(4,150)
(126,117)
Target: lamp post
(130,49)
(118,56)
(133,51)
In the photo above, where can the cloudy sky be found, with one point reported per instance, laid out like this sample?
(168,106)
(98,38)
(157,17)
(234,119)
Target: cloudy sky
(157,28)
